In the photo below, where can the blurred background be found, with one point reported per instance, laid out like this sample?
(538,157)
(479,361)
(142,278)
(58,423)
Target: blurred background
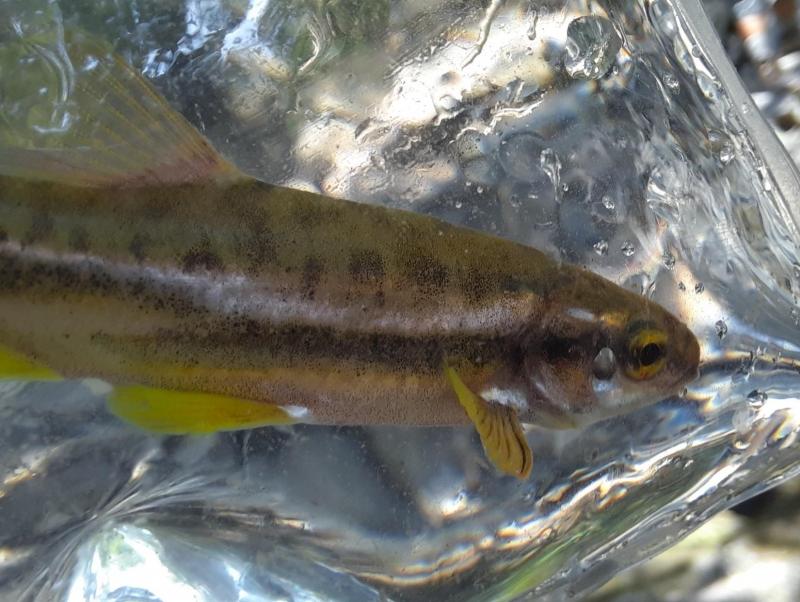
(750,553)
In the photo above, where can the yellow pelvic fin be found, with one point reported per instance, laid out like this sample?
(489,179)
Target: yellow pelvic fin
(15,366)
(110,127)
(184,412)
(498,427)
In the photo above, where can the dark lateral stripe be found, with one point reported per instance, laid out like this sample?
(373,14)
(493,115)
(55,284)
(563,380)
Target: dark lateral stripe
(246,343)
(232,337)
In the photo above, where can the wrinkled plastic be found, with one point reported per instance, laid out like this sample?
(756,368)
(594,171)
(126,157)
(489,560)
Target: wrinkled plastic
(613,135)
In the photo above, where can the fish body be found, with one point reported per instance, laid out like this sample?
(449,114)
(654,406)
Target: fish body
(187,276)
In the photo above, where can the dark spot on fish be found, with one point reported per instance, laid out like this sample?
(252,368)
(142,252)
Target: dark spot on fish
(511,284)
(78,239)
(255,243)
(380,299)
(156,207)
(201,258)
(427,272)
(307,214)
(137,287)
(258,249)
(3,235)
(313,269)
(101,282)
(138,246)
(10,273)
(366,267)
(63,277)
(41,227)
(476,285)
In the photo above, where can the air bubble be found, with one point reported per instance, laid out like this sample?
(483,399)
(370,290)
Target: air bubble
(672,83)
(520,156)
(726,153)
(591,47)
(601,247)
(533,15)
(756,398)
(627,248)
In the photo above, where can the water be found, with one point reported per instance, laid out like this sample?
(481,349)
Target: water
(606,134)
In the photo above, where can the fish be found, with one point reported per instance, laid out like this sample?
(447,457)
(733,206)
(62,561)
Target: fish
(134,253)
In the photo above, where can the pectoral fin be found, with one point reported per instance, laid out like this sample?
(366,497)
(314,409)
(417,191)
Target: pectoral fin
(18,367)
(498,427)
(183,412)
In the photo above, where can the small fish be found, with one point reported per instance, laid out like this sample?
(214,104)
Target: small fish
(211,301)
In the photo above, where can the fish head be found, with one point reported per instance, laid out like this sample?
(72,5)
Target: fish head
(591,361)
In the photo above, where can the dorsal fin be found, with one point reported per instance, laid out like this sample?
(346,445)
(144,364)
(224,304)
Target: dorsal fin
(119,131)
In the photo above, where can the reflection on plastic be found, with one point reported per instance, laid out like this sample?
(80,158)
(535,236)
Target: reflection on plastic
(607,139)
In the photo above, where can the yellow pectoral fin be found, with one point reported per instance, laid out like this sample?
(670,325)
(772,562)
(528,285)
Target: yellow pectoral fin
(184,412)
(498,427)
(18,367)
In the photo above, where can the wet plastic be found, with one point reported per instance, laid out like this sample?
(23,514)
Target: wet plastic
(610,134)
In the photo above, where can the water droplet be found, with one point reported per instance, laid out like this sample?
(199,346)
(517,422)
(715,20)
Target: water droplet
(472,144)
(662,17)
(742,420)
(448,104)
(672,83)
(756,398)
(669,260)
(591,47)
(699,288)
(726,153)
(708,86)
(601,247)
(721,328)
(765,180)
(533,16)
(740,444)
(90,63)
(551,165)
(520,156)
(627,248)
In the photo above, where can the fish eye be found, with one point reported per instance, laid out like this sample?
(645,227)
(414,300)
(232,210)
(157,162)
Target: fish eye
(646,353)
(650,354)
(604,364)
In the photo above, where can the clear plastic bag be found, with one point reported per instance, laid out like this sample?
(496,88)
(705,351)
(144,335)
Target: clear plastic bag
(613,135)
